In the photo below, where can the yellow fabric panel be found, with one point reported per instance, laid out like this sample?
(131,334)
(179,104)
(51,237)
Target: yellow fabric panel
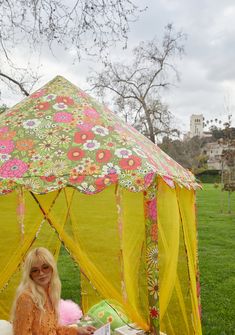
(10,235)
(105,234)
(133,251)
(89,295)
(94,242)
(179,309)
(91,237)
(168,221)
(95,230)
(186,200)
(177,261)
(13,245)
(127,246)
(182,291)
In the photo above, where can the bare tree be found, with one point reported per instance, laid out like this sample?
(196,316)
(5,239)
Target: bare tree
(19,79)
(88,27)
(188,153)
(3,108)
(70,23)
(135,87)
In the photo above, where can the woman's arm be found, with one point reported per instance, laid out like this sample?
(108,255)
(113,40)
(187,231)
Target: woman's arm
(65,330)
(24,314)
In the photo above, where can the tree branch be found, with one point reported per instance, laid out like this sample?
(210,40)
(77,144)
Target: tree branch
(20,85)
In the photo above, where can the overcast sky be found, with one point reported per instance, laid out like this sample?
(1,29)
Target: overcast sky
(207,69)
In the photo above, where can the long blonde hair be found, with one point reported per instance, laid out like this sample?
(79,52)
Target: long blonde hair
(36,292)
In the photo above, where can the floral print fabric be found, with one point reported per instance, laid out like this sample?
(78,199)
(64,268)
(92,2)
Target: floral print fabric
(151,226)
(61,136)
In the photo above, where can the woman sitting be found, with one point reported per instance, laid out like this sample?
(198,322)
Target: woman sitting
(36,306)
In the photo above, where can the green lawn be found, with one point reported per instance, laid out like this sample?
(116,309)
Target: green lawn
(216,231)
(70,277)
(217,261)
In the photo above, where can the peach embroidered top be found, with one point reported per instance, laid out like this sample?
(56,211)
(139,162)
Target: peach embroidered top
(27,319)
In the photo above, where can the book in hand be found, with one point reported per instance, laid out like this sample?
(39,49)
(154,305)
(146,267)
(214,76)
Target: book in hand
(103,330)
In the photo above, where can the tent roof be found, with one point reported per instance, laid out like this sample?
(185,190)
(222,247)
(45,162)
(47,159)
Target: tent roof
(61,136)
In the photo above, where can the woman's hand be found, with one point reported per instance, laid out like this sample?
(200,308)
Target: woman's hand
(87,330)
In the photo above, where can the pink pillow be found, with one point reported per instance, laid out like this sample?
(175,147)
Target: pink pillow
(69,312)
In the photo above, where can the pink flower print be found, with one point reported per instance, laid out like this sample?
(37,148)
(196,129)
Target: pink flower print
(31,123)
(83,136)
(85,126)
(13,168)
(148,178)
(166,169)
(76,179)
(6,146)
(38,94)
(102,182)
(4,157)
(91,112)
(103,156)
(82,94)
(99,130)
(60,106)
(49,178)
(110,169)
(49,97)
(118,127)
(152,209)
(63,117)
(4,130)
(169,181)
(75,154)
(91,145)
(130,163)
(7,135)
(66,100)
(43,106)
(123,153)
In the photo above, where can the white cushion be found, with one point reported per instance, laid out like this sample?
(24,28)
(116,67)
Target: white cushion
(6,328)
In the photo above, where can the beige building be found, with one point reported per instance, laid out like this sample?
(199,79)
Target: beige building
(213,150)
(196,125)
(214,153)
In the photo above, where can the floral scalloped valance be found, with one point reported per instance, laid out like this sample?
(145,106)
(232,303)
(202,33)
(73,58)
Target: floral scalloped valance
(60,136)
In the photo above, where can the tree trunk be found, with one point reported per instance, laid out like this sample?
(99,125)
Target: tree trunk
(149,121)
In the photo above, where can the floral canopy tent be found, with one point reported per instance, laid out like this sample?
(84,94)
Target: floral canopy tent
(125,211)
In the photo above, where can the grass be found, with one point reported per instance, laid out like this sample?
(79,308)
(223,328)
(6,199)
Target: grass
(70,277)
(216,232)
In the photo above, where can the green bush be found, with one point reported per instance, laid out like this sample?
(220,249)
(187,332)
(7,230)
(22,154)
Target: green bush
(209,176)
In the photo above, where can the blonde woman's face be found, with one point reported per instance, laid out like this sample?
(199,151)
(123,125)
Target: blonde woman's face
(41,273)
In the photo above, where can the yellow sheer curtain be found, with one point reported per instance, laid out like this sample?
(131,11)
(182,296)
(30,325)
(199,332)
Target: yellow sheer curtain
(108,244)
(133,247)
(168,222)
(105,234)
(177,261)
(187,201)
(15,242)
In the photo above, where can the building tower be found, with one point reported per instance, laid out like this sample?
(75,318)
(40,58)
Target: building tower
(196,125)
